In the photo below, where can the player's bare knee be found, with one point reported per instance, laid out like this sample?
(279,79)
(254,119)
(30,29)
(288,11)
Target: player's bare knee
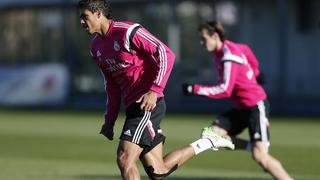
(123,160)
(219,130)
(260,157)
(256,157)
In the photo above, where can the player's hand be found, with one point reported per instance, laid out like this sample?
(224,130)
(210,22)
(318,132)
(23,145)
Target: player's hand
(107,131)
(148,101)
(261,79)
(187,89)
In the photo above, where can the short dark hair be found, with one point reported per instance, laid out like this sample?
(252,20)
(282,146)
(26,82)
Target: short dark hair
(212,27)
(95,5)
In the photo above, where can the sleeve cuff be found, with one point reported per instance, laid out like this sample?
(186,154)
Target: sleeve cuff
(156,89)
(195,89)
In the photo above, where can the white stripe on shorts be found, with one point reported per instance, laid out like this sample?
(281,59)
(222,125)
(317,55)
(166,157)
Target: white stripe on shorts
(141,126)
(263,121)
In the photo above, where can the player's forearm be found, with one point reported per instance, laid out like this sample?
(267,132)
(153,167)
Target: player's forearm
(112,106)
(215,92)
(111,115)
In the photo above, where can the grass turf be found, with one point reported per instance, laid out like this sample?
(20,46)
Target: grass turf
(63,145)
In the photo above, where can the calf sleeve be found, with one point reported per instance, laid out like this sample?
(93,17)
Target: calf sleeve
(154,176)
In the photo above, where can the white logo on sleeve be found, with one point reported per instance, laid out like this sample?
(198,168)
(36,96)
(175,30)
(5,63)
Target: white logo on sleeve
(127,132)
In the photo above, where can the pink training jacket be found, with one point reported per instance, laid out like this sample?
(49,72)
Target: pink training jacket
(236,78)
(132,62)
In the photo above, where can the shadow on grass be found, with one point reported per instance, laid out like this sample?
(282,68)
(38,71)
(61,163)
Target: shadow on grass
(109,177)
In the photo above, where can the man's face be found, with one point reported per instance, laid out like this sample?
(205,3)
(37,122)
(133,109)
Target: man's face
(208,41)
(90,21)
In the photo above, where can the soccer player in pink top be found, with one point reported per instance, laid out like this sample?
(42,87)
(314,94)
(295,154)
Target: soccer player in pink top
(237,81)
(136,66)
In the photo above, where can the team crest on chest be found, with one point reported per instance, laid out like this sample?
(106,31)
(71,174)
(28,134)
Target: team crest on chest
(116,46)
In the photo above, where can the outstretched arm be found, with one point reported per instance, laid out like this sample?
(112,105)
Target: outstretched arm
(224,88)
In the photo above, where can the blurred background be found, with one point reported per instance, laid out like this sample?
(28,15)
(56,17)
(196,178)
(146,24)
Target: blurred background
(45,61)
(52,99)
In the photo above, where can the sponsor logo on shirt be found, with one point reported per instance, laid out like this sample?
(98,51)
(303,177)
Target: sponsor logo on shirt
(114,66)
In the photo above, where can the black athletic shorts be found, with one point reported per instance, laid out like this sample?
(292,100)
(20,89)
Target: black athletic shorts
(254,118)
(142,127)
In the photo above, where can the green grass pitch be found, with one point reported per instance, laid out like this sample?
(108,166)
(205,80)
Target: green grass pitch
(59,145)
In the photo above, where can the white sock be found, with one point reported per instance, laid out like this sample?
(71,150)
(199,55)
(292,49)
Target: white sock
(201,145)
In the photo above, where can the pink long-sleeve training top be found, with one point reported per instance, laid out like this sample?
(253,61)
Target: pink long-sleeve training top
(236,77)
(132,62)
